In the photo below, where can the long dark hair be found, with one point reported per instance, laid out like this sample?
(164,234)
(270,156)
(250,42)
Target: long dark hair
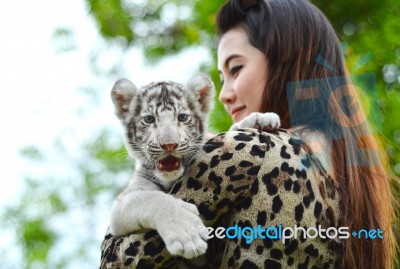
(303,51)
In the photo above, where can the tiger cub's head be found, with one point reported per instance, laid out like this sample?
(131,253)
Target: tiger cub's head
(164,122)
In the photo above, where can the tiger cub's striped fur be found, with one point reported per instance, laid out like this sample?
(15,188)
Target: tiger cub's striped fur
(164,124)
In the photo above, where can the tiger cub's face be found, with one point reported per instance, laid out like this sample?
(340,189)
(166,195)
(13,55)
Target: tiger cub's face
(164,122)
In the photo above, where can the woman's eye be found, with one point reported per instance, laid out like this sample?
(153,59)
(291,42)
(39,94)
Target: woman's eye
(235,69)
(183,117)
(149,119)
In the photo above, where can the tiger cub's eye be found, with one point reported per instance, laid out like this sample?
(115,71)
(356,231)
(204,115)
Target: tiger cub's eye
(149,119)
(183,117)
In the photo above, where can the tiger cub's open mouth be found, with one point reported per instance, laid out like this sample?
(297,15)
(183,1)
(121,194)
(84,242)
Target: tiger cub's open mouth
(168,164)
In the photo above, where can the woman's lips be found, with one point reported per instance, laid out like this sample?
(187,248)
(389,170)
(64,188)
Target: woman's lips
(235,113)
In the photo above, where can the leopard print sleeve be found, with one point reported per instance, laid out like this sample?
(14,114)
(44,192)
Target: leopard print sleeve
(245,179)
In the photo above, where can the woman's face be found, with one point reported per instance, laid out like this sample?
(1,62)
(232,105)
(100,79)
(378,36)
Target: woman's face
(243,70)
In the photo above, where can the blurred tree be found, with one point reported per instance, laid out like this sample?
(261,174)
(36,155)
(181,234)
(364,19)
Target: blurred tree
(57,216)
(370,30)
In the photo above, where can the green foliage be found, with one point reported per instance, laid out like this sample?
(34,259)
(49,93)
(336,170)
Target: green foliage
(37,239)
(63,202)
(30,224)
(219,120)
(32,153)
(113,159)
(113,19)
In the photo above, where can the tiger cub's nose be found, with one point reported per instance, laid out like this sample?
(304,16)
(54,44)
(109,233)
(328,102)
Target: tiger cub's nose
(169,147)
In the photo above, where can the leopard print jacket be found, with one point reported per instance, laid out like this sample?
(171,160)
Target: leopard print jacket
(246,178)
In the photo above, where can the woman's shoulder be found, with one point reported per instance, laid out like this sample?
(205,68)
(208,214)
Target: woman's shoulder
(280,144)
(278,147)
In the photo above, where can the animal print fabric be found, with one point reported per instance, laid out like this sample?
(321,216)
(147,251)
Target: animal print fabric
(246,178)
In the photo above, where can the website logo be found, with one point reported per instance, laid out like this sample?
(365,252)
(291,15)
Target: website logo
(285,233)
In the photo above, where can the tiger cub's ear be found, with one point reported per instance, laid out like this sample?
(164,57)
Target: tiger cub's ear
(203,88)
(122,94)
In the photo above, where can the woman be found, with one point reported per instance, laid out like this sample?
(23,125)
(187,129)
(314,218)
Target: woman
(269,58)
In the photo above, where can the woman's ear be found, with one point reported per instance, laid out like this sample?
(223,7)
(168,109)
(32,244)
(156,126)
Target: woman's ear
(203,88)
(122,94)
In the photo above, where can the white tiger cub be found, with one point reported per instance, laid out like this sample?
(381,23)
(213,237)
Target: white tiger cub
(164,123)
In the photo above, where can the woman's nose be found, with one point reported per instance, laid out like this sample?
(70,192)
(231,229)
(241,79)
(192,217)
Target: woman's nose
(227,95)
